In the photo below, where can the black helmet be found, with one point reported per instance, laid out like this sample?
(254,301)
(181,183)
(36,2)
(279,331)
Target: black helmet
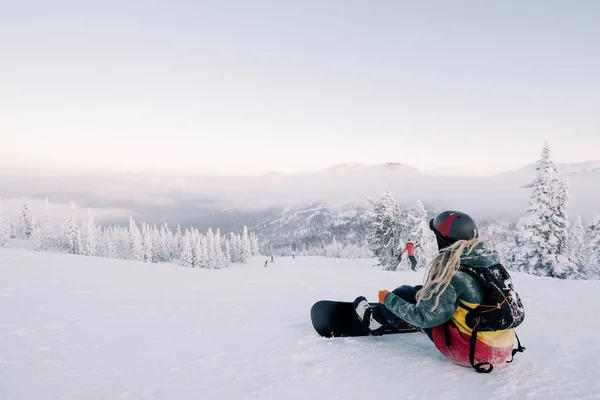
(453,226)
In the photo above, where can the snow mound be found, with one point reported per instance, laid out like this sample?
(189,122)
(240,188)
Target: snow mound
(78,327)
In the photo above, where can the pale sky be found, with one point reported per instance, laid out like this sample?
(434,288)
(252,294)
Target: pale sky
(253,87)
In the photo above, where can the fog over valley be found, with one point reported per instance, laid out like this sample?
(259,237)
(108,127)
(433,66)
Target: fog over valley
(204,201)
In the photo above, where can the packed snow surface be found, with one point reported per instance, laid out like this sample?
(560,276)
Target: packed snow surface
(75,327)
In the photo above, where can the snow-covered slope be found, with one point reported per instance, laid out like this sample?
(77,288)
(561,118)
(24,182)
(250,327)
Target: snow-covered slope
(75,327)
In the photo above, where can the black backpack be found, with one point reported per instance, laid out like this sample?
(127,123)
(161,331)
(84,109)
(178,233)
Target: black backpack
(500,309)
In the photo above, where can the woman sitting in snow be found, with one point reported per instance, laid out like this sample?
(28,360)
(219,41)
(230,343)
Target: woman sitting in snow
(440,307)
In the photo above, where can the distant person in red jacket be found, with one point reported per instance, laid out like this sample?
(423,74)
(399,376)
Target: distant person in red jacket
(410,247)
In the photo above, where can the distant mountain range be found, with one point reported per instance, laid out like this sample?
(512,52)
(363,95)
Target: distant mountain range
(288,208)
(567,168)
(396,167)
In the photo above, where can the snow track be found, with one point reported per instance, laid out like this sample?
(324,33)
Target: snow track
(76,327)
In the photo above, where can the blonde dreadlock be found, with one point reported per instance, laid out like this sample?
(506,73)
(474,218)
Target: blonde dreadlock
(441,269)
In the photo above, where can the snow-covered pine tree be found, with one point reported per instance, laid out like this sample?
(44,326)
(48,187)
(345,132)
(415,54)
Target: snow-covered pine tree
(333,250)
(235,248)
(107,247)
(147,245)
(384,231)
(25,223)
(541,233)
(211,255)
(46,226)
(39,244)
(220,255)
(406,225)
(136,251)
(198,258)
(164,241)
(577,244)
(227,251)
(561,215)
(187,255)
(592,255)
(120,238)
(73,235)
(501,236)
(90,238)
(255,245)
(177,243)
(204,252)
(246,246)
(421,234)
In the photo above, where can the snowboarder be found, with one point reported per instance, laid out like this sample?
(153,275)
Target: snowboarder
(445,305)
(266,263)
(272,259)
(294,255)
(410,248)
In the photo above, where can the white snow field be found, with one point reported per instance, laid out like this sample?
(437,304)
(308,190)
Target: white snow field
(75,327)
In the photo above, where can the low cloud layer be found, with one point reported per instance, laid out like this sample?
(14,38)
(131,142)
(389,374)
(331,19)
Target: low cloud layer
(199,201)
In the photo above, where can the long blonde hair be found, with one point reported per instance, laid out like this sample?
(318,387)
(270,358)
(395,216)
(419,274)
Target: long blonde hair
(441,269)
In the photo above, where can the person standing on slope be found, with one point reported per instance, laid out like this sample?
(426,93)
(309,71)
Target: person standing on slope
(470,321)
(410,248)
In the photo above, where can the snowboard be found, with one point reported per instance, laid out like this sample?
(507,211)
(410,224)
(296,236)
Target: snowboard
(338,319)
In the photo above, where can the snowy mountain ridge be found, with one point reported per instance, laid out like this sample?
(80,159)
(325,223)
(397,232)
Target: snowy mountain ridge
(313,225)
(388,167)
(565,168)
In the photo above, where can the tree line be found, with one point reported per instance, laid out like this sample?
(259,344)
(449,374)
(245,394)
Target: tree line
(138,241)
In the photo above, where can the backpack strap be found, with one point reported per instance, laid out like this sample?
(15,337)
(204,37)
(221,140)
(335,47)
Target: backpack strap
(519,348)
(447,333)
(479,367)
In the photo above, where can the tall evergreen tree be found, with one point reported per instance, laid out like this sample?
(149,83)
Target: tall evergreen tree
(333,250)
(541,241)
(220,255)
(577,251)
(37,236)
(592,253)
(255,245)
(107,247)
(90,238)
(46,227)
(135,241)
(246,246)
(25,223)
(227,252)
(187,256)
(235,248)
(561,215)
(73,233)
(421,234)
(211,255)
(384,236)
(147,244)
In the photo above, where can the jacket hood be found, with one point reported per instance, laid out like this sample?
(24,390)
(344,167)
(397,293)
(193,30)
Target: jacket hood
(480,256)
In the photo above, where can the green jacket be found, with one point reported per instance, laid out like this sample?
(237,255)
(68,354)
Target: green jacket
(461,286)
